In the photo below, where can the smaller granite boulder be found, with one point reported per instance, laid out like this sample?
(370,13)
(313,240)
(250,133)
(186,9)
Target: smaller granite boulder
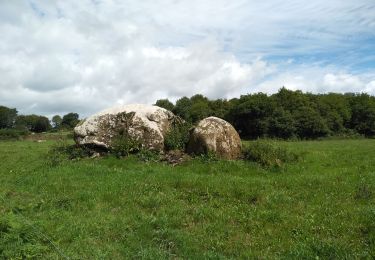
(215,135)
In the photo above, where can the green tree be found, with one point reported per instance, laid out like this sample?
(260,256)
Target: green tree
(251,115)
(282,124)
(335,109)
(165,103)
(291,100)
(182,108)
(56,121)
(309,123)
(42,124)
(70,120)
(287,113)
(363,114)
(199,111)
(33,123)
(7,117)
(220,108)
(199,108)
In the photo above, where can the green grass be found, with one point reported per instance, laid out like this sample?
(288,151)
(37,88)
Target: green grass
(108,208)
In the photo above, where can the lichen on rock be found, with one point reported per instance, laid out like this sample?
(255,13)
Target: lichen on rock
(143,123)
(215,135)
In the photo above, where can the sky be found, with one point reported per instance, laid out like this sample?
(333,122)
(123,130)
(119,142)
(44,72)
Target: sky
(84,56)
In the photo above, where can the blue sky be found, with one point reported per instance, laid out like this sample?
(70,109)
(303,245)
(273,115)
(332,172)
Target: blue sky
(83,56)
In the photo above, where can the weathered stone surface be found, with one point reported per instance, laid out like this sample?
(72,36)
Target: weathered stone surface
(216,135)
(144,123)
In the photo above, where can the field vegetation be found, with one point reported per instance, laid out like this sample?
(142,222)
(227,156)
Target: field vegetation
(308,199)
(318,206)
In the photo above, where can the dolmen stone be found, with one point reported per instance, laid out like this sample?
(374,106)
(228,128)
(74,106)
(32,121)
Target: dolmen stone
(145,124)
(215,135)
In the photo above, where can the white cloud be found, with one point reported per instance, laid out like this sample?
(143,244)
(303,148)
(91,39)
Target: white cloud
(317,79)
(370,87)
(141,74)
(342,82)
(57,57)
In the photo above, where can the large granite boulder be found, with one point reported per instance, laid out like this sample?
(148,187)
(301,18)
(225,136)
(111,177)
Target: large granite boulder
(142,123)
(215,135)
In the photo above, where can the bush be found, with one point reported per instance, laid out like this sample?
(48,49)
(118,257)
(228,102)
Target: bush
(146,155)
(123,145)
(343,135)
(63,151)
(267,154)
(177,137)
(12,134)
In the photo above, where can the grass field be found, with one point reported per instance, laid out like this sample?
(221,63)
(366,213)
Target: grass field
(320,208)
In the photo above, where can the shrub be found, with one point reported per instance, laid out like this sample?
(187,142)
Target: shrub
(268,154)
(63,151)
(77,152)
(12,134)
(123,145)
(177,137)
(146,155)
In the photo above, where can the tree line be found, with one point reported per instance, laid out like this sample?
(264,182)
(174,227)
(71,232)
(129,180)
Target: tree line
(9,119)
(286,114)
